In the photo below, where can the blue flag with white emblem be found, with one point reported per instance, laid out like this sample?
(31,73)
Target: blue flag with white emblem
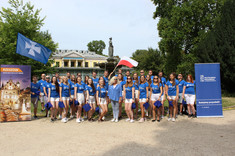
(31,49)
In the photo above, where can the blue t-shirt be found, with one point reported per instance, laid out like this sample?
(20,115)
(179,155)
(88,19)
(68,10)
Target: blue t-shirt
(181,86)
(65,90)
(129,92)
(143,91)
(152,78)
(136,85)
(102,92)
(90,90)
(46,85)
(80,87)
(163,79)
(122,84)
(124,78)
(41,82)
(106,80)
(155,88)
(54,93)
(95,81)
(189,88)
(171,88)
(71,85)
(34,88)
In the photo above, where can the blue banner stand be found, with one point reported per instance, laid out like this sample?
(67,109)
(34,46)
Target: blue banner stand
(208,90)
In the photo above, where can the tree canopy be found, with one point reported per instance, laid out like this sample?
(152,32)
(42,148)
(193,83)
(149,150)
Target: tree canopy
(23,18)
(96,46)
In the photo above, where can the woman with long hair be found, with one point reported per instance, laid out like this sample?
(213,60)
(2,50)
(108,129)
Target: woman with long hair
(162,80)
(53,97)
(101,96)
(172,91)
(149,111)
(155,94)
(143,96)
(122,82)
(128,97)
(64,97)
(115,96)
(189,94)
(72,106)
(90,93)
(136,85)
(79,91)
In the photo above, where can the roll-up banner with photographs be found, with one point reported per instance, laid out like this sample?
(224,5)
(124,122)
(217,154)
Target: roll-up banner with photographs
(15,98)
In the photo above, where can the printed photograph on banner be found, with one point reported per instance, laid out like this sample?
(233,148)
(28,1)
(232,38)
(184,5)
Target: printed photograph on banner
(15,97)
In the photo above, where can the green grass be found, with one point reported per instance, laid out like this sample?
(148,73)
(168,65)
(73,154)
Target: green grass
(228,101)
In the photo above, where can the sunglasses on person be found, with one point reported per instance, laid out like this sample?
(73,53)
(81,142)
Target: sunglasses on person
(115,79)
(155,78)
(129,78)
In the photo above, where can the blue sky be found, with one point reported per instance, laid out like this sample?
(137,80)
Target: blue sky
(74,23)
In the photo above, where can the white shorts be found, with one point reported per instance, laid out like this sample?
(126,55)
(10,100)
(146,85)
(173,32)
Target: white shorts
(142,100)
(155,97)
(171,97)
(136,94)
(65,98)
(43,99)
(128,100)
(102,101)
(72,97)
(54,99)
(91,100)
(80,98)
(190,99)
(180,98)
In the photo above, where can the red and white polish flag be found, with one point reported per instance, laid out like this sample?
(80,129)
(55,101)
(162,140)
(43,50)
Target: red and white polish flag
(126,61)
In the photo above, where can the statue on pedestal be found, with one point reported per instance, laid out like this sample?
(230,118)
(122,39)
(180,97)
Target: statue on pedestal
(110,48)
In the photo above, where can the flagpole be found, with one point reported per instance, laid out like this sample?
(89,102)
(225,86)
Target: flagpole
(112,71)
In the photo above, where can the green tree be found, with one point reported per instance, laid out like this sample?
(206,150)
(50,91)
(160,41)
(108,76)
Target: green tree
(96,46)
(219,46)
(149,59)
(23,18)
(183,24)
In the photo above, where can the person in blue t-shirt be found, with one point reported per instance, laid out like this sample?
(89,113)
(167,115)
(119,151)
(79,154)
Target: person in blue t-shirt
(35,88)
(65,97)
(129,96)
(151,75)
(172,92)
(95,79)
(90,93)
(122,82)
(45,89)
(53,97)
(149,111)
(143,96)
(181,85)
(163,97)
(101,96)
(189,94)
(42,98)
(127,74)
(136,85)
(79,91)
(155,94)
(71,87)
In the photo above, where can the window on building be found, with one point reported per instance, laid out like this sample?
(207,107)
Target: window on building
(72,64)
(94,64)
(79,64)
(66,64)
(57,64)
(86,64)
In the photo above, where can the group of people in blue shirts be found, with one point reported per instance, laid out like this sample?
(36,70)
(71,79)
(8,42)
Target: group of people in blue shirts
(69,96)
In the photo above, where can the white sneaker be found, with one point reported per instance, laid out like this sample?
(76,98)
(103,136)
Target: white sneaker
(169,119)
(103,117)
(116,120)
(71,116)
(82,119)
(162,116)
(78,121)
(128,119)
(131,121)
(60,117)
(173,119)
(64,120)
(113,120)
